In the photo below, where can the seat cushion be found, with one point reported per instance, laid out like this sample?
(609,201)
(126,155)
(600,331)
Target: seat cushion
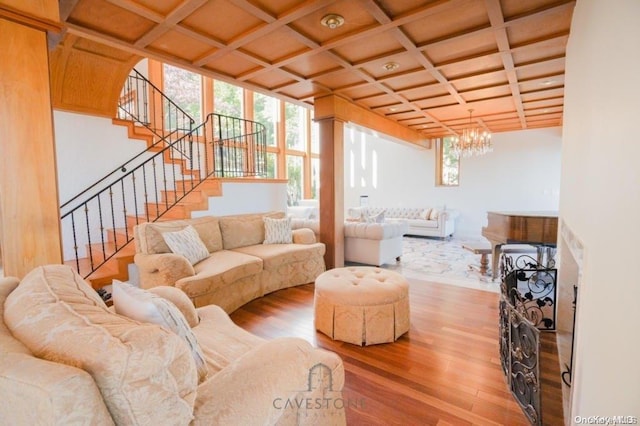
(219,270)
(421,223)
(245,229)
(145,373)
(275,255)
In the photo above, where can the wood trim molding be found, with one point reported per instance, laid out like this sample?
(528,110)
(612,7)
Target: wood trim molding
(31,20)
(333,106)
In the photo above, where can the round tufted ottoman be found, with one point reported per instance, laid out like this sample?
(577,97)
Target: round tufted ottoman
(362,305)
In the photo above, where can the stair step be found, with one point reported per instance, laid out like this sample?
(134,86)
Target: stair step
(100,252)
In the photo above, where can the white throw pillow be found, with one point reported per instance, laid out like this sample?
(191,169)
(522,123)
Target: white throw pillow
(187,243)
(142,306)
(277,231)
(434,215)
(426,213)
(376,218)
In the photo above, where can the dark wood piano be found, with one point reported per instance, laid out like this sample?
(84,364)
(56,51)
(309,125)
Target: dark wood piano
(536,228)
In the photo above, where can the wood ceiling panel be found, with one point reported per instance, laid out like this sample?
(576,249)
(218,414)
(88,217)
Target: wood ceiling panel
(438,102)
(275,45)
(424,92)
(406,82)
(395,8)
(447,22)
(376,45)
(489,92)
(481,80)
(339,79)
(302,90)
(355,16)
(275,7)
(406,62)
(179,45)
(480,109)
(542,83)
(160,7)
(554,47)
(103,17)
(405,116)
(470,45)
(232,65)
(382,101)
(487,63)
(313,65)
(539,26)
(361,92)
(542,94)
(515,8)
(541,69)
(542,104)
(210,20)
(272,79)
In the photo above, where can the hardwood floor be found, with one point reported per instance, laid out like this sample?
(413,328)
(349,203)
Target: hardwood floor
(445,371)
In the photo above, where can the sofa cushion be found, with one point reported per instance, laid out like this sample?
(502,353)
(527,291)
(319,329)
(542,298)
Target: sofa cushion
(244,230)
(419,223)
(186,243)
(277,231)
(219,270)
(274,255)
(434,214)
(145,373)
(148,235)
(180,299)
(375,231)
(143,306)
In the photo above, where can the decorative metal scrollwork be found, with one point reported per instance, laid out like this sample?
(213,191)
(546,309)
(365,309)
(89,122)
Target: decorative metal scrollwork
(519,354)
(530,287)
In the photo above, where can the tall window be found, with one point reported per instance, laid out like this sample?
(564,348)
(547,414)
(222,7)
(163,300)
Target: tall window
(184,88)
(448,163)
(296,126)
(295,177)
(227,99)
(265,111)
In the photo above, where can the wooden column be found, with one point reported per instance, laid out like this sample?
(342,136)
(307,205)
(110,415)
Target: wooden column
(332,190)
(28,180)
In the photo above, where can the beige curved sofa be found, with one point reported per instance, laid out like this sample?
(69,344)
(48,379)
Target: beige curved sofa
(66,358)
(239,268)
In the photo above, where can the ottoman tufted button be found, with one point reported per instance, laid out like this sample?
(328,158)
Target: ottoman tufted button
(355,282)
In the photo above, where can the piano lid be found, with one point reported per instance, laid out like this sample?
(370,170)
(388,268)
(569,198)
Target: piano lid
(533,227)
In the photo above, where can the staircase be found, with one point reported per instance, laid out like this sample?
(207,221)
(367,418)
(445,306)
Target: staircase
(176,174)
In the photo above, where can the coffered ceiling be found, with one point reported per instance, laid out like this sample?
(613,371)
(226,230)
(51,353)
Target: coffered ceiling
(504,59)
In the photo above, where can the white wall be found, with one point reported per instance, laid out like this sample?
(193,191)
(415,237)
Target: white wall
(238,198)
(87,148)
(600,202)
(522,173)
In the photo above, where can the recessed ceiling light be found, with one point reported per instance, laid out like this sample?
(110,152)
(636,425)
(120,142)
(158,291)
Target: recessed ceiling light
(393,109)
(547,82)
(332,21)
(390,66)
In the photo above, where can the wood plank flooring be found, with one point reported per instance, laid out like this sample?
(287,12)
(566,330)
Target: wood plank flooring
(445,371)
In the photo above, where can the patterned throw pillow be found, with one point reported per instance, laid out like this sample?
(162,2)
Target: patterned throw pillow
(142,306)
(277,231)
(187,243)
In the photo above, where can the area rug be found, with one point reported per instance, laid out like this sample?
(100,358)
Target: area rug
(443,262)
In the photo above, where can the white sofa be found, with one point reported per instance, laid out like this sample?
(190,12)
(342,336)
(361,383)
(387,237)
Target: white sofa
(423,221)
(374,243)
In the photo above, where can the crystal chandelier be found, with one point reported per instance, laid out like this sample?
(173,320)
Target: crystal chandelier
(473,141)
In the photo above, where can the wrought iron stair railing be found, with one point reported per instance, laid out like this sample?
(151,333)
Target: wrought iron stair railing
(98,223)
